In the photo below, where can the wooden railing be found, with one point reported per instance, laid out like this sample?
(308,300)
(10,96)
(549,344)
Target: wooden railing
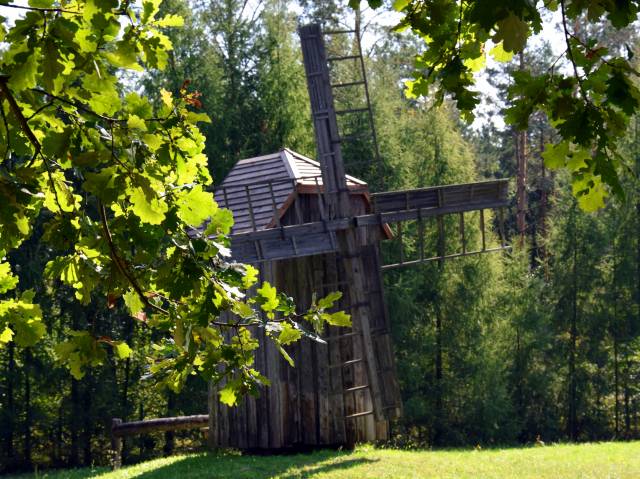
(121,429)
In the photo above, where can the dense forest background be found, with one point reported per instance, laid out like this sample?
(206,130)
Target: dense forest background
(492,349)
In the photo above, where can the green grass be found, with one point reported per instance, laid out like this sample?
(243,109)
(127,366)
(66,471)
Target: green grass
(586,461)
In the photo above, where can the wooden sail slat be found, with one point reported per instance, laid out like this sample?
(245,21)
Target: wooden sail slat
(315,237)
(385,267)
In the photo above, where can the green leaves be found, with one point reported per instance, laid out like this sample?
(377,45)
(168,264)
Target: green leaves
(250,276)
(196,206)
(499,53)
(123,182)
(289,334)
(121,349)
(267,298)
(21,320)
(23,74)
(149,10)
(133,302)
(339,318)
(590,107)
(588,187)
(555,156)
(170,20)
(80,351)
(513,32)
(590,192)
(6,336)
(7,280)
(148,206)
(329,300)
(228,395)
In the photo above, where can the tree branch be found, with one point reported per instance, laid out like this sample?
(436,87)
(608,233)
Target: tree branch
(87,110)
(43,10)
(567,36)
(122,267)
(17,112)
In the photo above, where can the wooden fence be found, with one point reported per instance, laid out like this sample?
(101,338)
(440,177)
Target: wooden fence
(121,429)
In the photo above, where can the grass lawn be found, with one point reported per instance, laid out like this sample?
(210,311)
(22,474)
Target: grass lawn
(586,461)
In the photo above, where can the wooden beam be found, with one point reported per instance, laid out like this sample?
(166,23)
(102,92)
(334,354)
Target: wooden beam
(337,196)
(324,118)
(119,429)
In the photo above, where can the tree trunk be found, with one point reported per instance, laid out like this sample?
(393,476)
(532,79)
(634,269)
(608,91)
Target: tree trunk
(627,408)
(28,413)
(169,436)
(616,383)
(124,401)
(141,443)
(87,416)
(58,446)
(212,400)
(74,449)
(573,427)
(616,342)
(521,161)
(544,201)
(10,406)
(439,412)
(124,404)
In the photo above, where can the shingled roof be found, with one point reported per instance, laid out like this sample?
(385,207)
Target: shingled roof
(255,187)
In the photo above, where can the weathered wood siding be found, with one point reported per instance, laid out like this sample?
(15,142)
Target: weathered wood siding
(305,405)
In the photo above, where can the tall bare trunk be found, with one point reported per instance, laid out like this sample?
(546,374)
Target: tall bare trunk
(521,160)
(627,401)
(10,406)
(169,436)
(88,420)
(28,413)
(544,205)
(573,416)
(439,419)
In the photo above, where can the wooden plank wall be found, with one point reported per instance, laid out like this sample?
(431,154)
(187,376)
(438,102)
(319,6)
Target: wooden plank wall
(305,405)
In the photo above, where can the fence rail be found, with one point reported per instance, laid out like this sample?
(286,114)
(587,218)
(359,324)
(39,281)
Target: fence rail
(120,429)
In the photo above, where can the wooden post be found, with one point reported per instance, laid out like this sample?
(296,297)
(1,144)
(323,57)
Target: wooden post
(337,194)
(116,444)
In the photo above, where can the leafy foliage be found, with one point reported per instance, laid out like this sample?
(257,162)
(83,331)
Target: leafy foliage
(590,102)
(121,185)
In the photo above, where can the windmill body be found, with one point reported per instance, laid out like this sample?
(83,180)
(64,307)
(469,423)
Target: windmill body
(309,404)
(313,229)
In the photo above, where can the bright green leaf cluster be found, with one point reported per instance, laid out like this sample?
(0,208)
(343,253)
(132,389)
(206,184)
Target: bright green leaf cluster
(124,185)
(590,107)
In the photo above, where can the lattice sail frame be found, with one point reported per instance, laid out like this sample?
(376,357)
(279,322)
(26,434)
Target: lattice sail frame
(387,208)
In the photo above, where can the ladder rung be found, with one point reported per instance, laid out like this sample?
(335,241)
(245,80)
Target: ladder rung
(351,110)
(337,32)
(346,57)
(346,363)
(351,83)
(359,414)
(356,388)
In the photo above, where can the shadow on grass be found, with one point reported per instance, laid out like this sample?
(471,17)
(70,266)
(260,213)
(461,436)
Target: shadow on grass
(225,466)
(254,467)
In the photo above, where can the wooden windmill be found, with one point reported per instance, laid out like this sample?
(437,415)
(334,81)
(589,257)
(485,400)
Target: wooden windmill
(312,228)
